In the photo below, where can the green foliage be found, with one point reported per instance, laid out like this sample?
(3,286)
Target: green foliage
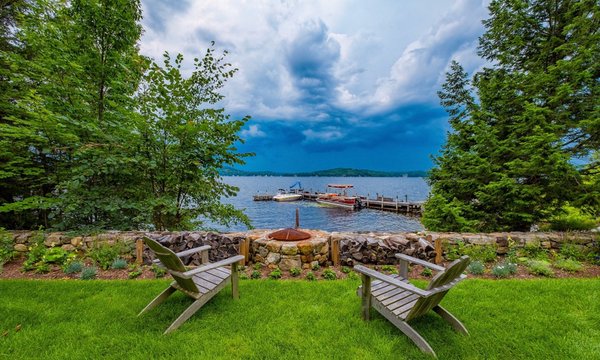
(569,264)
(346,270)
(573,219)
(454,251)
(295,271)
(353,276)
(485,253)
(534,250)
(134,271)
(329,274)
(55,255)
(257,266)
(426,272)
(7,251)
(504,270)
(243,276)
(119,264)
(310,276)
(36,252)
(88,273)
(256,274)
(186,139)
(390,269)
(540,267)
(476,267)
(160,272)
(572,251)
(73,267)
(518,123)
(275,274)
(316,266)
(104,254)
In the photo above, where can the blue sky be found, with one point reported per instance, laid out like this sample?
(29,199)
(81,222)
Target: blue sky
(337,83)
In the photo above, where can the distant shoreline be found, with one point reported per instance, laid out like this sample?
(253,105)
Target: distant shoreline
(337,172)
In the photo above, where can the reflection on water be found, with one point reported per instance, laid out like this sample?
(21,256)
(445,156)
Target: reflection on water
(274,215)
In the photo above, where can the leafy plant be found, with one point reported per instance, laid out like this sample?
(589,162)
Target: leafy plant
(316,266)
(41,268)
(573,218)
(476,267)
(295,271)
(119,263)
(540,267)
(275,274)
(353,276)
(88,273)
(104,254)
(426,272)
(243,276)
(257,266)
(534,250)
(569,264)
(504,270)
(571,251)
(73,267)
(7,251)
(484,253)
(36,252)
(390,269)
(256,274)
(454,251)
(135,271)
(310,276)
(329,274)
(160,272)
(55,255)
(346,270)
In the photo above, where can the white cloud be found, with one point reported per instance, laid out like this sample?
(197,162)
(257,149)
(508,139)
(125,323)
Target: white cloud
(252,131)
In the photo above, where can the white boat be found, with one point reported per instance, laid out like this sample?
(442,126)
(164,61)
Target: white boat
(287,197)
(339,199)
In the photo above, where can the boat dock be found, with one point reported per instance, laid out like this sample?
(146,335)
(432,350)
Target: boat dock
(379,203)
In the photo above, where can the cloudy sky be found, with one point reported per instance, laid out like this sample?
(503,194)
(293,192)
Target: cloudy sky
(336,83)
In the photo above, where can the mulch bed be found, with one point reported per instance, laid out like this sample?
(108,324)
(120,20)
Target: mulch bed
(13,270)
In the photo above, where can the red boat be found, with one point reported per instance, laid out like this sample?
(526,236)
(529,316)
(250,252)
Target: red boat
(340,199)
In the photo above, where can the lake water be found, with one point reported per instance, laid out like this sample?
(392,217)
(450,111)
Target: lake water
(274,215)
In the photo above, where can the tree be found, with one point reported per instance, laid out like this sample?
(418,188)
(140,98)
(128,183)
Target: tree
(507,162)
(185,140)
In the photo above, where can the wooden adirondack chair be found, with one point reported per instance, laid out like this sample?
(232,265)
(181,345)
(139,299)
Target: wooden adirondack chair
(201,283)
(399,301)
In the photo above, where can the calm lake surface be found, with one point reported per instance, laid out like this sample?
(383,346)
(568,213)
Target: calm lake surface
(274,215)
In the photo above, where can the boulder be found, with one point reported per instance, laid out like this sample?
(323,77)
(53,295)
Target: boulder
(273,258)
(288,262)
(21,248)
(289,249)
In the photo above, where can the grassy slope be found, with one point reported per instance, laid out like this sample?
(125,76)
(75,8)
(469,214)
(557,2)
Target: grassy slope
(508,319)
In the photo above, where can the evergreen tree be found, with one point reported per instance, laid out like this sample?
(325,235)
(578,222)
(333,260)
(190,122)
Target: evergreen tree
(537,108)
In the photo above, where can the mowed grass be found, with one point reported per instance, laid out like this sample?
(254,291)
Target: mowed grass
(508,319)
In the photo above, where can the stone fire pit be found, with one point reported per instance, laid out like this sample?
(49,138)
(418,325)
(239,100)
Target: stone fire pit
(290,254)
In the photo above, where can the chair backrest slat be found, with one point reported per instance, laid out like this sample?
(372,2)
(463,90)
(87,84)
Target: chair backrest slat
(424,304)
(170,261)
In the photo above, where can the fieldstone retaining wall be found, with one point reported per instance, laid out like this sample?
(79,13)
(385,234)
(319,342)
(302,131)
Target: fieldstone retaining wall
(323,247)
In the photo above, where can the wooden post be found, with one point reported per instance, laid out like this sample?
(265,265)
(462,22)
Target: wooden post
(234,281)
(438,251)
(368,199)
(366,297)
(139,251)
(335,252)
(396,203)
(244,250)
(403,267)
(205,257)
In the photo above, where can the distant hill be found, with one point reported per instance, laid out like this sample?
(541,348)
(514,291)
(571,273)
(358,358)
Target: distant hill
(337,172)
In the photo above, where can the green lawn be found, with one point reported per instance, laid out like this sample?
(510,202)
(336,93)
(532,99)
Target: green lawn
(508,319)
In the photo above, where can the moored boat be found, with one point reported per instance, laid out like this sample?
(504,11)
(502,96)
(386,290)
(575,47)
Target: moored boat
(287,197)
(341,200)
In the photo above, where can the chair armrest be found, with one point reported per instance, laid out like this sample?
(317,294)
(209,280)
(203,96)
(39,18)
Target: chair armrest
(228,261)
(390,280)
(420,262)
(187,252)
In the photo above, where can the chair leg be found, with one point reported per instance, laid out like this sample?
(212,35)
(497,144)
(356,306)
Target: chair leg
(234,281)
(453,321)
(157,300)
(191,310)
(415,337)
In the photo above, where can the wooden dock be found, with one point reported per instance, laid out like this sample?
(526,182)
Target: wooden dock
(414,208)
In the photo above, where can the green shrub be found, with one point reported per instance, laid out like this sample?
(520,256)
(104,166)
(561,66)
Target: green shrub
(257,266)
(135,272)
(570,265)
(256,274)
(41,268)
(329,274)
(275,274)
(243,275)
(55,255)
(295,271)
(504,270)
(571,251)
(310,276)
(533,250)
(540,267)
(454,251)
(104,254)
(426,272)
(476,268)
(346,270)
(88,273)
(73,267)
(119,264)
(353,276)
(573,219)
(36,251)
(316,266)
(158,271)
(390,269)
(483,253)
(7,251)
